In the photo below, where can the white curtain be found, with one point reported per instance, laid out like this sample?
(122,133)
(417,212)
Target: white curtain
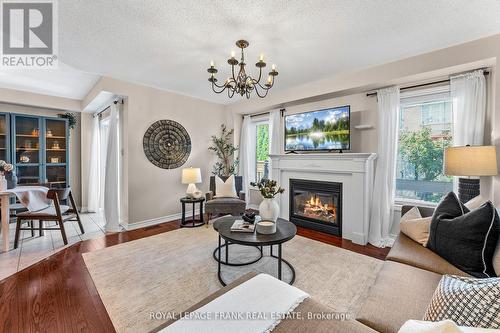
(468,93)
(274,137)
(275,132)
(382,212)
(103,140)
(93,182)
(112,178)
(247,146)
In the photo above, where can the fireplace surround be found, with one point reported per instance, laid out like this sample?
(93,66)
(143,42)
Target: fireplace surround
(316,205)
(353,170)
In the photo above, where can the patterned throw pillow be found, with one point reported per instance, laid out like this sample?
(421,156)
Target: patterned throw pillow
(467,301)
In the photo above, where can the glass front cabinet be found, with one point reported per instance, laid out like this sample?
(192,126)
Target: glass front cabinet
(4,137)
(39,149)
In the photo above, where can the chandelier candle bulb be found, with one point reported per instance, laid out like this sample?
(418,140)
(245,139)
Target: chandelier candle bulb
(233,54)
(273,67)
(262,57)
(212,64)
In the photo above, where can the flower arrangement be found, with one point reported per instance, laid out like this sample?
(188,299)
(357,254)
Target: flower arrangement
(5,167)
(268,188)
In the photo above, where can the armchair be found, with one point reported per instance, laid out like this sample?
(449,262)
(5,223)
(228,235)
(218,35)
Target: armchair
(233,206)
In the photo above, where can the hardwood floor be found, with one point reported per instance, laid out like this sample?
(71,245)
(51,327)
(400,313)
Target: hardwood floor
(57,294)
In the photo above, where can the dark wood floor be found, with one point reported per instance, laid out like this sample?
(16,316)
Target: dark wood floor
(57,294)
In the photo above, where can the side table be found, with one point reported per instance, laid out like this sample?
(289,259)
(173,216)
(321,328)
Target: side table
(193,223)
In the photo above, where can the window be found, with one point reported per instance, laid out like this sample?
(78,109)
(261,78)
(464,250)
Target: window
(425,130)
(262,151)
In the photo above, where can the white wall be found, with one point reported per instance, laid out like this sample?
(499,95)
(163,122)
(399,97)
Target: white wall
(154,193)
(363,112)
(350,87)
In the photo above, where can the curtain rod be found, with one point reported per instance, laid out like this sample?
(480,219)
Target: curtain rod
(261,114)
(486,72)
(106,108)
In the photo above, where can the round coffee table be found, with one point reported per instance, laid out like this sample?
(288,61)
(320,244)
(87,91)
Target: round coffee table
(285,230)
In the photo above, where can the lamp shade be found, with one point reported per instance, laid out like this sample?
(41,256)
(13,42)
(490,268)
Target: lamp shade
(470,161)
(191,176)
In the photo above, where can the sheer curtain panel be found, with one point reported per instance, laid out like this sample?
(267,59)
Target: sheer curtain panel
(382,211)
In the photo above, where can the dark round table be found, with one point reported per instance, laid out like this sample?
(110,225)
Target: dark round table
(285,230)
(194,223)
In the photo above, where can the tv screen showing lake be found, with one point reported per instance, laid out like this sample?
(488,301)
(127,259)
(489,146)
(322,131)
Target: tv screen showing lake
(327,129)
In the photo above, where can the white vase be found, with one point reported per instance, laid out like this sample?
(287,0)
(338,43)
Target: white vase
(3,183)
(269,210)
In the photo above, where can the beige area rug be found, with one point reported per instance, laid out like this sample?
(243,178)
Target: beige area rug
(174,270)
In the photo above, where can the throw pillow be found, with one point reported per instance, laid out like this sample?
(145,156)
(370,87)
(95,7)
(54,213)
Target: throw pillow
(496,258)
(415,226)
(467,239)
(476,202)
(444,326)
(466,301)
(225,189)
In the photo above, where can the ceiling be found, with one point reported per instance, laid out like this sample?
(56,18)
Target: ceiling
(169,44)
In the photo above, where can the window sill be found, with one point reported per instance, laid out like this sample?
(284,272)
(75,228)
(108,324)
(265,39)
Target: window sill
(398,203)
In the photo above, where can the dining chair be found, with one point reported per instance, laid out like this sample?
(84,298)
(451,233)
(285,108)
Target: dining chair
(55,212)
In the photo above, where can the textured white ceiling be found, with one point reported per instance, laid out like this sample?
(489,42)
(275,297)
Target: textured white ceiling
(169,44)
(62,82)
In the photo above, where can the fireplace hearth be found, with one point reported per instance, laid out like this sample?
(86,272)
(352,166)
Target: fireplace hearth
(316,205)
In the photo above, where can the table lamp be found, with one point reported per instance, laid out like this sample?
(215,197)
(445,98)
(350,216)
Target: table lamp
(470,161)
(191,176)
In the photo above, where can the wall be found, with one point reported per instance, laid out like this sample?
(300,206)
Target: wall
(154,193)
(39,100)
(363,112)
(75,144)
(428,67)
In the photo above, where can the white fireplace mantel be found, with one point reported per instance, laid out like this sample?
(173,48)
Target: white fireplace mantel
(354,170)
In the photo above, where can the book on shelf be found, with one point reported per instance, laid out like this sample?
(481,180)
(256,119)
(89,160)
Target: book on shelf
(242,226)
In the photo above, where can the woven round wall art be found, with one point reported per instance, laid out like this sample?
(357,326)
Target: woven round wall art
(167,144)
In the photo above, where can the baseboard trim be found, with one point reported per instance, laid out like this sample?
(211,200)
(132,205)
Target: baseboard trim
(358,238)
(158,220)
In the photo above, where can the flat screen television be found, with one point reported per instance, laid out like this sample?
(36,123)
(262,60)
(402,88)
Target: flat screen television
(321,130)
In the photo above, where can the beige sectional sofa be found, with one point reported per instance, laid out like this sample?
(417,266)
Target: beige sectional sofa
(402,291)
(405,285)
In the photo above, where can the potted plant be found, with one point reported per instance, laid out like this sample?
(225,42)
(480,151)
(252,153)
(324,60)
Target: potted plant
(8,177)
(268,209)
(224,149)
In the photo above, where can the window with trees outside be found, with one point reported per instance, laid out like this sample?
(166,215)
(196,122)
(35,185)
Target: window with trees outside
(425,130)
(262,151)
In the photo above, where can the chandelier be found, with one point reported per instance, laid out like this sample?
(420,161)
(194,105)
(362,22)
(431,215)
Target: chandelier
(242,84)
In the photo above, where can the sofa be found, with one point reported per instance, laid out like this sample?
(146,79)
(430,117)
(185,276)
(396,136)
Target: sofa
(402,291)
(405,285)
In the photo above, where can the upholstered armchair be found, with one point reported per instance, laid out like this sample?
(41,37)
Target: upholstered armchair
(233,206)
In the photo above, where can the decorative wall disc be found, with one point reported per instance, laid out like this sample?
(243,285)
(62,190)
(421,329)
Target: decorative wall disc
(167,144)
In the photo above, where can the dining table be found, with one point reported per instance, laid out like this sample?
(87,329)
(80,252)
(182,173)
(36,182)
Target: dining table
(34,198)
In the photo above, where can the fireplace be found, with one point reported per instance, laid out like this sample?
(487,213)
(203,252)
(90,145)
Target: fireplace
(316,205)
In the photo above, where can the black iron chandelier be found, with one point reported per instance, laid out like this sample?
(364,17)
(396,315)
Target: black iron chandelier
(242,84)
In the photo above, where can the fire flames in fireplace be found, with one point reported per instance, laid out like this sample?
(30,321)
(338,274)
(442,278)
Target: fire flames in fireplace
(316,209)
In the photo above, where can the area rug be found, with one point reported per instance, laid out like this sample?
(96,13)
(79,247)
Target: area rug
(170,272)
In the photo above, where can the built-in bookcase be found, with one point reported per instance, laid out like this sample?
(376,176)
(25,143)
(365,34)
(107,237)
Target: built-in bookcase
(38,147)
(4,137)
